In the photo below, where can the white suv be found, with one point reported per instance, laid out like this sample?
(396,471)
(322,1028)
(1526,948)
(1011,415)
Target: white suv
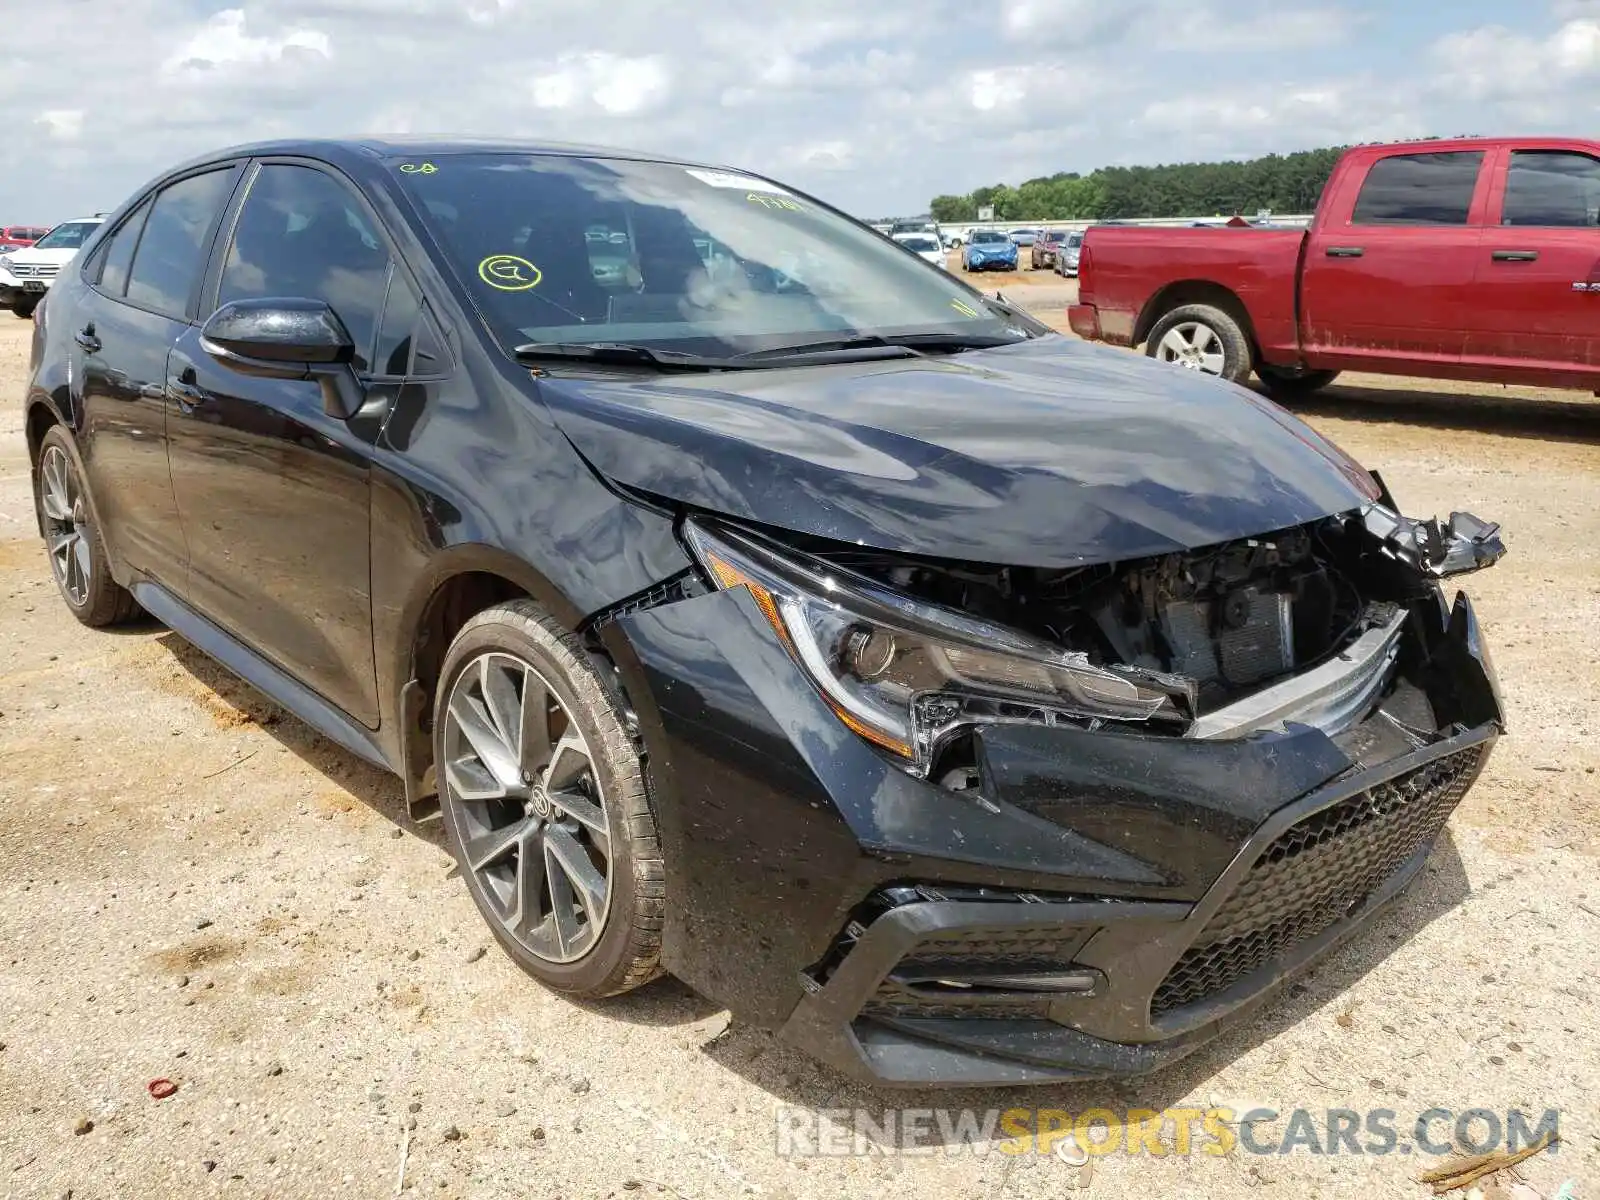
(26,274)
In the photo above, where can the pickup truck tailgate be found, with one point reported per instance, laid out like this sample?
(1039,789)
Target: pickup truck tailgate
(1129,272)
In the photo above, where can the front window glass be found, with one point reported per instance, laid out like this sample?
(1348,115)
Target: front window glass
(1419,189)
(69,236)
(565,249)
(1552,188)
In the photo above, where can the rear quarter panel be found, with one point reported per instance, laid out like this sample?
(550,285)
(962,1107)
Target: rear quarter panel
(1135,272)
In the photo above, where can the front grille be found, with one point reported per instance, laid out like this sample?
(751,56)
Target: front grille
(35,270)
(1317,873)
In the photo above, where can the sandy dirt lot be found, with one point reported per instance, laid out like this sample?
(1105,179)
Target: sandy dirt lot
(196,887)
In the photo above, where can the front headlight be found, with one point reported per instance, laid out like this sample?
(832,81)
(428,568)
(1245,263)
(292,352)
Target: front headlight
(908,675)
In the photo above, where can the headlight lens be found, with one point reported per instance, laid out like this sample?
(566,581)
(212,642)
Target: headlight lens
(905,674)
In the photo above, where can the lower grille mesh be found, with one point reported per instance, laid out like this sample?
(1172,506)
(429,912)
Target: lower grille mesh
(1315,874)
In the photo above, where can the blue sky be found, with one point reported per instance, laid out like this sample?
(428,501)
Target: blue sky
(875,105)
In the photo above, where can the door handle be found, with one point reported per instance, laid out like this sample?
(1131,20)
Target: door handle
(1514,255)
(184,390)
(85,337)
(1345,251)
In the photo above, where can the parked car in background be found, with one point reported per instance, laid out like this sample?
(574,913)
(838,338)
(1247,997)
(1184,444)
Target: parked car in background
(1070,254)
(955,238)
(989,250)
(1024,237)
(1468,258)
(916,226)
(925,246)
(964,703)
(15,237)
(26,274)
(1046,248)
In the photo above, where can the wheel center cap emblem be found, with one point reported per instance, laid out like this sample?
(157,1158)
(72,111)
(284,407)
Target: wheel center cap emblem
(539,802)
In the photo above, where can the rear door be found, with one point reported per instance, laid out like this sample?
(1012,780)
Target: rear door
(140,285)
(1536,304)
(1388,278)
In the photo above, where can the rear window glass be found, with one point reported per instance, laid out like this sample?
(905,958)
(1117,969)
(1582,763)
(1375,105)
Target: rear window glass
(1419,189)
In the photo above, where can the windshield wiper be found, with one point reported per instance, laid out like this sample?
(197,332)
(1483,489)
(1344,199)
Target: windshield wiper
(913,343)
(619,352)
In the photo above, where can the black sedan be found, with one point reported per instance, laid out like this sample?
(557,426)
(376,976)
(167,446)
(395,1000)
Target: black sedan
(761,604)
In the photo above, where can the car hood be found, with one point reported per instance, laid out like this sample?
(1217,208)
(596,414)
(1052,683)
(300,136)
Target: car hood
(993,247)
(32,257)
(1048,453)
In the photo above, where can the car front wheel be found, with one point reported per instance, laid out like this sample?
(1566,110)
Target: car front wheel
(1202,338)
(545,804)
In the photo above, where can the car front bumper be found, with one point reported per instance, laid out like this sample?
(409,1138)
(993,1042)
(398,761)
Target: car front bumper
(13,289)
(992,264)
(818,890)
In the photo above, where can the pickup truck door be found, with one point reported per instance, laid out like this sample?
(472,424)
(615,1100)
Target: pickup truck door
(1536,302)
(1389,271)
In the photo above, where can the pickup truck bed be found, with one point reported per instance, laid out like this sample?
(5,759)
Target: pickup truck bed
(1471,259)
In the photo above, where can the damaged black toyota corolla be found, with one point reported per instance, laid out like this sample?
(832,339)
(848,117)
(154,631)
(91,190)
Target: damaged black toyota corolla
(965,702)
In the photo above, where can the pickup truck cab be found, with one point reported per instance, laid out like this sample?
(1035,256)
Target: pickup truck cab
(1474,258)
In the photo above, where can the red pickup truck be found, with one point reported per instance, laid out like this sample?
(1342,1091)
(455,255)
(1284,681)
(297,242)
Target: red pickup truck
(1473,258)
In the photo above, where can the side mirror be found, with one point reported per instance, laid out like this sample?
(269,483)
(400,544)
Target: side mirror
(287,339)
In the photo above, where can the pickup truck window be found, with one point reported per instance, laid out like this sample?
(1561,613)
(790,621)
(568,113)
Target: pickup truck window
(1552,188)
(1419,189)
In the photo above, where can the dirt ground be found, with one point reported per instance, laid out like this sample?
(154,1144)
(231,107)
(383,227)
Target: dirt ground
(196,887)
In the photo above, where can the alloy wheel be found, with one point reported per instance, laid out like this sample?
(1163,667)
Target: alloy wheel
(1193,345)
(530,812)
(66,525)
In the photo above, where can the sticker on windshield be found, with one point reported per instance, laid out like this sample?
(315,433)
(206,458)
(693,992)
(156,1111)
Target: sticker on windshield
(962,306)
(426,168)
(508,273)
(767,200)
(730,179)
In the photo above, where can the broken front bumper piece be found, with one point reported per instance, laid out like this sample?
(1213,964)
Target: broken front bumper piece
(1464,543)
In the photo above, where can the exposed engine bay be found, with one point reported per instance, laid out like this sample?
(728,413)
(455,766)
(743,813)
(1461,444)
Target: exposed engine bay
(1217,623)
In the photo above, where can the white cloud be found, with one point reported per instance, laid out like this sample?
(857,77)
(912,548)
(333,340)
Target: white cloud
(997,89)
(63,123)
(223,42)
(615,84)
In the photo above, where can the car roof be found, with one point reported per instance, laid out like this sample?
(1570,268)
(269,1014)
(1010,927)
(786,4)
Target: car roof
(374,149)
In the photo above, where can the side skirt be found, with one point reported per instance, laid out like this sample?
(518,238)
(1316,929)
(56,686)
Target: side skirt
(260,674)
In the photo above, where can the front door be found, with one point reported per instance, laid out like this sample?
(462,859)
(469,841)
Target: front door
(1536,305)
(1393,281)
(272,491)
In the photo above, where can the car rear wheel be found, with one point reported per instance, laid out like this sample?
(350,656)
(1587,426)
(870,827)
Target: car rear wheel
(1289,383)
(78,560)
(1201,338)
(545,805)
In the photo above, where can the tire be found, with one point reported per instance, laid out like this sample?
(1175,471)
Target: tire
(23,309)
(483,661)
(1217,346)
(1290,384)
(78,560)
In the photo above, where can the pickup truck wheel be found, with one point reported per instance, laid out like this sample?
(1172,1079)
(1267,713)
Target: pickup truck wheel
(1202,338)
(1291,384)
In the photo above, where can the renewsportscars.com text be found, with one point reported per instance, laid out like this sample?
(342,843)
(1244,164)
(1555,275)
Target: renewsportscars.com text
(843,1132)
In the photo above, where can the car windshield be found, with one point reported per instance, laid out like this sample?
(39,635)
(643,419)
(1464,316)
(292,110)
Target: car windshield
(920,244)
(988,235)
(67,237)
(558,249)
(1075,239)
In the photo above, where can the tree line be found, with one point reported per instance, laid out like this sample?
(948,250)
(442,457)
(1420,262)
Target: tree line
(1284,183)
